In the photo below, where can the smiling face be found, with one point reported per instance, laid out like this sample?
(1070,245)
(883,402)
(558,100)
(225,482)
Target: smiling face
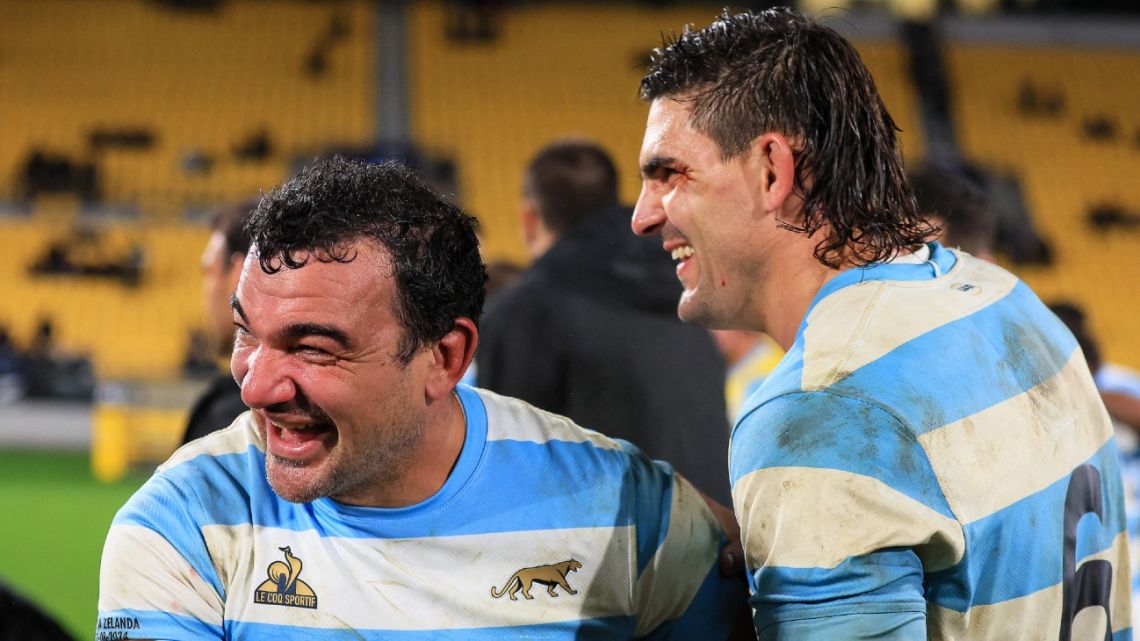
(710,215)
(316,358)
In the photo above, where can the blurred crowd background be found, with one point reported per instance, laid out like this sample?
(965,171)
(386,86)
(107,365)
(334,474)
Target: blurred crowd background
(126,123)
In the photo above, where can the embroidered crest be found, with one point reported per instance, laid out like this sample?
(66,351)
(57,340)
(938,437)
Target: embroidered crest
(284,587)
(551,576)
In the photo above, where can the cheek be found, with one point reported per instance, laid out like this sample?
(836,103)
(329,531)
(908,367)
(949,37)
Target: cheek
(239,361)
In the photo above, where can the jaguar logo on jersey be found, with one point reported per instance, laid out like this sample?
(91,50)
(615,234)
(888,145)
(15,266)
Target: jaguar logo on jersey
(283,586)
(552,576)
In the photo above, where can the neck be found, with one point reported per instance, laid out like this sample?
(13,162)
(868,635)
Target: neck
(540,243)
(438,453)
(800,277)
(429,466)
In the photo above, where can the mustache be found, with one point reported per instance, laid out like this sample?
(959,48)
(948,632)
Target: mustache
(300,410)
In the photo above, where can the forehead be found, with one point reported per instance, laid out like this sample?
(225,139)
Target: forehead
(670,134)
(360,292)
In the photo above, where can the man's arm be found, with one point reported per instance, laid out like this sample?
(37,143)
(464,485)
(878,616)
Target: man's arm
(156,580)
(841,517)
(1123,407)
(681,592)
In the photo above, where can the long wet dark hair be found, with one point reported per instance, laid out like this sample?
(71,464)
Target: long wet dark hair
(752,73)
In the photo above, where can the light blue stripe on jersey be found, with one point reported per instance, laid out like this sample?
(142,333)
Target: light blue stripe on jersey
(906,625)
(616,627)
(516,494)
(1039,517)
(786,377)
(891,579)
(922,378)
(944,397)
(159,505)
(653,504)
(715,590)
(821,430)
(165,625)
(526,496)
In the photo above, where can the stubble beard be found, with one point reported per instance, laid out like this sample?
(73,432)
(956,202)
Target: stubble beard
(694,308)
(383,460)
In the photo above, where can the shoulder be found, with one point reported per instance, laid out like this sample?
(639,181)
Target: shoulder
(513,419)
(863,322)
(584,459)
(206,480)
(237,439)
(802,422)
(822,434)
(581,476)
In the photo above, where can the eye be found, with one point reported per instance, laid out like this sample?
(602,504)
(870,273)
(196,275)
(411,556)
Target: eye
(667,174)
(313,354)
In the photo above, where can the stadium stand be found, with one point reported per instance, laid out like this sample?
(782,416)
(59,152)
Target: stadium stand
(176,110)
(201,83)
(556,70)
(1028,113)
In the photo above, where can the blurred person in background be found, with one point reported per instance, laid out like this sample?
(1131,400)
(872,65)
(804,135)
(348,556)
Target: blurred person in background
(956,206)
(1120,390)
(13,370)
(1119,385)
(589,330)
(366,495)
(221,265)
(22,620)
(917,465)
(750,358)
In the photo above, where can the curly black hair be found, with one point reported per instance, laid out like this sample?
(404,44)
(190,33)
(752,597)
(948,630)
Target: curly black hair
(776,70)
(318,213)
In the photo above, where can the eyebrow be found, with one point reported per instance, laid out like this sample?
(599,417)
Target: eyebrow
(236,306)
(655,165)
(300,330)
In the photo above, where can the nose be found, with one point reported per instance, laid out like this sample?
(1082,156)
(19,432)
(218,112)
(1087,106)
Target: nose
(262,376)
(648,213)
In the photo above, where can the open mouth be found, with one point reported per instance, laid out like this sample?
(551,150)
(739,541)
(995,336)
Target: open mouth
(298,442)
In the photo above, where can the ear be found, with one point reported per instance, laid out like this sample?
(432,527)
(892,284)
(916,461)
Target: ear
(450,358)
(777,165)
(233,269)
(532,228)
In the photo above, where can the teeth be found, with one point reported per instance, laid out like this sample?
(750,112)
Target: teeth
(298,428)
(683,252)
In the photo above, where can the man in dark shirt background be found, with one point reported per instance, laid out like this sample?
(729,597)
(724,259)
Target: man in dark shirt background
(221,264)
(590,329)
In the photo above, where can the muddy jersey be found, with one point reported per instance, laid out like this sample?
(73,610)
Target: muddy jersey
(931,460)
(543,530)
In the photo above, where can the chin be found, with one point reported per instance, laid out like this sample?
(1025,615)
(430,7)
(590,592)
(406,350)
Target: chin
(295,484)
(695,313)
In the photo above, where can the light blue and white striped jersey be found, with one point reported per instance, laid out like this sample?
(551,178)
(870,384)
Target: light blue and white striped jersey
(543,530)
(931,460)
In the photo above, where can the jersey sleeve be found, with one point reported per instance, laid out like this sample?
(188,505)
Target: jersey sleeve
(680,593)
(841,516)
(156,579)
